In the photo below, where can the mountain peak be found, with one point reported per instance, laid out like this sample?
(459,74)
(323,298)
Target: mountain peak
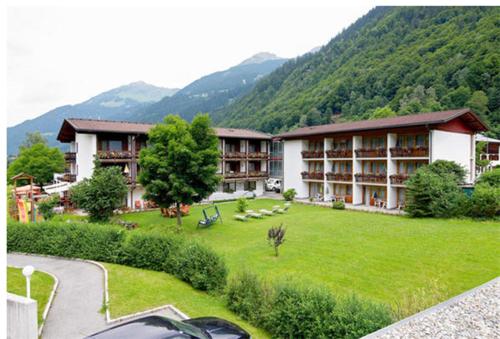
(260,58)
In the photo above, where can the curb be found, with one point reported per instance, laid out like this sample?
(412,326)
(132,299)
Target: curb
(51,296)
(430,310)
(108,318)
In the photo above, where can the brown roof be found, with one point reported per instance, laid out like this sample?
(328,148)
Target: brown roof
(70,126)
(422,119)
(240,133)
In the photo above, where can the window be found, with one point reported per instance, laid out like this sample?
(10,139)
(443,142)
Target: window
(229,187)
(250,185)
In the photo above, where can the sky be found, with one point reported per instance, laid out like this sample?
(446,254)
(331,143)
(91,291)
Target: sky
(65,55)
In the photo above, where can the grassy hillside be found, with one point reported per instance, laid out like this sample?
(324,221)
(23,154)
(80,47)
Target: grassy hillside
(411,59)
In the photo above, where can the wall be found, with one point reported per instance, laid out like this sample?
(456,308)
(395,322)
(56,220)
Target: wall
(457,147)
(136,195)
(292,166)
(21,317)
(87,149)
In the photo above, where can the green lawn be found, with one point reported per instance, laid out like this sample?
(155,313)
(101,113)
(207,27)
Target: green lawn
(41,286)
(132,290)
(382,257)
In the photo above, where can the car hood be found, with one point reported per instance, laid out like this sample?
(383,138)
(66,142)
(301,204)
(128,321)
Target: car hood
(219,328)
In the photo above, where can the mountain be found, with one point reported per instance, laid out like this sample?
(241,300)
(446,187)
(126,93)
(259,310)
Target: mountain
(411,59)
(108,105)
(212,91)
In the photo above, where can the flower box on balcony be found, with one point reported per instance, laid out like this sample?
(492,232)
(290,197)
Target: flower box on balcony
(255,174)
(235,175)
(257,155)
(371,152)
(339,176)
(341,153)
(312,154)
(420,151)
(399,179)
(234,155)
(373,178)
(114,154)
(312,175)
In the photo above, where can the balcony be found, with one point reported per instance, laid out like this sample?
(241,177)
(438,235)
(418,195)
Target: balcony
(257,155)
(399,179)
(421,151)
(234,155)
(312,175)
(341,153)
(235,175)
(70,156)
(312,154)
(371,178)
(347,177)
(68,177)
(114,155)
(257,174)
(371,152)
(489,156)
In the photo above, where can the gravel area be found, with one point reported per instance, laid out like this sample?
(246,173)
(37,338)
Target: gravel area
(473,314)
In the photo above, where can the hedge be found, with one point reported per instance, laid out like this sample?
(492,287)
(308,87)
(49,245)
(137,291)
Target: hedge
(191,262)
(288,310)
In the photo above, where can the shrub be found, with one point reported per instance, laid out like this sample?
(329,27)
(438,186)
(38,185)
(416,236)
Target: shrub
(241,205)
(445,167)
(338,205)
(491,178)
(149,251)
(289,194)
(433,195)
(245,296)
(46,206)
(199,266)
(485,201)
(276,237)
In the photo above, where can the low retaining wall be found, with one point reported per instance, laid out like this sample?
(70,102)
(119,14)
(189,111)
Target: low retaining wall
(22,320)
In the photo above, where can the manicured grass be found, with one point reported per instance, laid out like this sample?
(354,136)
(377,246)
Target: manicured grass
(382,257)
(133,290)
(41,286)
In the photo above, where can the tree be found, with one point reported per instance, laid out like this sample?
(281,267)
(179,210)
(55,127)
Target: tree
(383,112)
(444,167)
(39,161)
(100,195)
(276,237)
(46,206)
(180,163)
(478,102)
(491,178)
(480,148)
(485,201)
(33,139)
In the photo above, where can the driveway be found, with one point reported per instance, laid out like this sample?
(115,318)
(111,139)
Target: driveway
(79,296)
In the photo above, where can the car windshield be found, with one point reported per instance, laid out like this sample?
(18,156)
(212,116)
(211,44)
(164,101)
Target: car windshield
(190,329)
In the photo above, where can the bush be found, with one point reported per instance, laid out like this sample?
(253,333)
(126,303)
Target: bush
(288,310)
(491,178)
(433,195)
(445,167)
(289,194)
(199,266)
(338,205)
(46,206)
(485,201)
(191,262)
(241,205)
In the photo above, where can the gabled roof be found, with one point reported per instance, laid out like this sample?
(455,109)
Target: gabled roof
(70,126)
(481,137)
(423,119)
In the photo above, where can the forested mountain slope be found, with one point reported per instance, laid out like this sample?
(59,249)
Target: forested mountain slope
(411,59)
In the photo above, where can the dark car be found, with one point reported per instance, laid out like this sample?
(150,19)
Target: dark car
(156,327)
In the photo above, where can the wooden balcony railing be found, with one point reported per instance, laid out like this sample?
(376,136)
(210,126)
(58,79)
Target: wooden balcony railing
(114,154)
(70,156)
(257,174)
(234,155)
(312,154)
(312,175)
(235,175)
(341,153)
(339,176)
(371,152)
(258,155)
(68,177)
(374,178)
(489,156)
(421,151)
(399,179)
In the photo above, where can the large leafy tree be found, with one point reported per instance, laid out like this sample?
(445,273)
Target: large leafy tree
(180,164)
(100,195)
(38,160)
(33,139)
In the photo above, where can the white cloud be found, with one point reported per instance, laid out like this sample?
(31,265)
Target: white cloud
(64,55)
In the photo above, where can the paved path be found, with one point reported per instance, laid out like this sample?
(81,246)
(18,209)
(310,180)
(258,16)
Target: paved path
(79,297)
(473,314)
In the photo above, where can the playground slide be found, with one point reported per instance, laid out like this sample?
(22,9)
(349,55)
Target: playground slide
(23,211)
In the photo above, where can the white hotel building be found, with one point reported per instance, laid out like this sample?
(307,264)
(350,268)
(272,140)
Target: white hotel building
(367,162)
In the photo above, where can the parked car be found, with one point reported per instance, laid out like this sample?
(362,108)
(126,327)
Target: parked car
(156,327)
(273,184)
